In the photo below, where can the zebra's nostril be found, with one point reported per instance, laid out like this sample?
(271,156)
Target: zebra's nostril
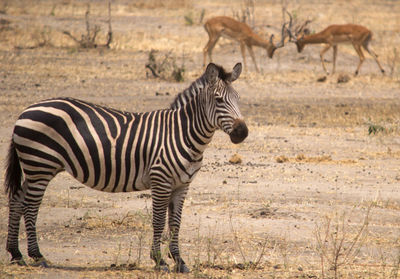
(239,132)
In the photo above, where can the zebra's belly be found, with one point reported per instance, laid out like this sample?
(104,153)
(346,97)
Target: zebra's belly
(131,184)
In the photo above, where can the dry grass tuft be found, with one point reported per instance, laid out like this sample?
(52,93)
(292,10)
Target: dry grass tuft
(282,159)
(301,158)
(163,4)
(136,221)
(339,242)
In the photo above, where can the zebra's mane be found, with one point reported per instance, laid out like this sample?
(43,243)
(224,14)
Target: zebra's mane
(196,88)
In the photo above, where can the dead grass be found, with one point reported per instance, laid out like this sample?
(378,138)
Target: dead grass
(301,158)
(339,243)
(281,105)
(157,4)
(136,221)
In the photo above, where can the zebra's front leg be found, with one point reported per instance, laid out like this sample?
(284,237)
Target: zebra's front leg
(160,196)
(174,221)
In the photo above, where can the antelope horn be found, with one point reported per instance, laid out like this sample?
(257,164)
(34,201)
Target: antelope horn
(270,38)
(282,42)
(292,38)
(300,29)
(290,19)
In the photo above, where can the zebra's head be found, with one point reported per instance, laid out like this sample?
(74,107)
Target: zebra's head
(224,101)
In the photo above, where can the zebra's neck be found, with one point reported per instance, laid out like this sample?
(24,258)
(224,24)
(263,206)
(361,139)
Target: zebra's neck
(191,104)
(196,88)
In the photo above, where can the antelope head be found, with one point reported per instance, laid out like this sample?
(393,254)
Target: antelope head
(297,33)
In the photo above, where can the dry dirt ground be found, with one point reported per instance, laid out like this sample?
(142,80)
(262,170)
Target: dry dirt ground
(317,190)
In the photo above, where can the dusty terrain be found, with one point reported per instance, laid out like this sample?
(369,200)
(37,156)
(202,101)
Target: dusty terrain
(320,168)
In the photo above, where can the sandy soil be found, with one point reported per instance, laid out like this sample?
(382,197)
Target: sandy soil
(309,160)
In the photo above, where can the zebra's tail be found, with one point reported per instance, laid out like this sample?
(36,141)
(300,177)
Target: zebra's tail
(12,182)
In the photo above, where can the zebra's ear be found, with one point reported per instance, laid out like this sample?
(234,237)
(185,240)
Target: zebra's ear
(212,73)
(237,70)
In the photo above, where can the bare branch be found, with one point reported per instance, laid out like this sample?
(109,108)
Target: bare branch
(87,23)
(109,34)
(71,36)
(88,40)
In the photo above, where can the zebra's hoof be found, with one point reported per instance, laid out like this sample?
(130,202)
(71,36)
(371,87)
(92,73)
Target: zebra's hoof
(19,262)
(41,262)
(162,268)
(182,268)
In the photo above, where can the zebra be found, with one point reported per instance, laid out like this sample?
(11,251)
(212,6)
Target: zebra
(115,151)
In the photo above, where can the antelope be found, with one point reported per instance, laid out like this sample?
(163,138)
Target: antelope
(334,35)
(241,32)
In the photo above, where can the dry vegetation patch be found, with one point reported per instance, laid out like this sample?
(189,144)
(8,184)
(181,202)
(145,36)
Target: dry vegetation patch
(283,204)
(301,158)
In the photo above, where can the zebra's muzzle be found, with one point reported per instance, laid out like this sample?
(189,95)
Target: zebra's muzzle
(239,132)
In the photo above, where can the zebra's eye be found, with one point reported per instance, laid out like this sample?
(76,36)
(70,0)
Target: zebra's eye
(219,99)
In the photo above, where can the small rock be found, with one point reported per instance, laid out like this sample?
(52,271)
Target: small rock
(235,159)
(343,78)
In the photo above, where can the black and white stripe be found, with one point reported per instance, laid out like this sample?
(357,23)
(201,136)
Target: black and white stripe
(116,151)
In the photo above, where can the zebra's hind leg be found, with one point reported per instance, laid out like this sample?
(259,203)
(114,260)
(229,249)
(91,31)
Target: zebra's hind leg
(32,201)
(174,221)
(15,213)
